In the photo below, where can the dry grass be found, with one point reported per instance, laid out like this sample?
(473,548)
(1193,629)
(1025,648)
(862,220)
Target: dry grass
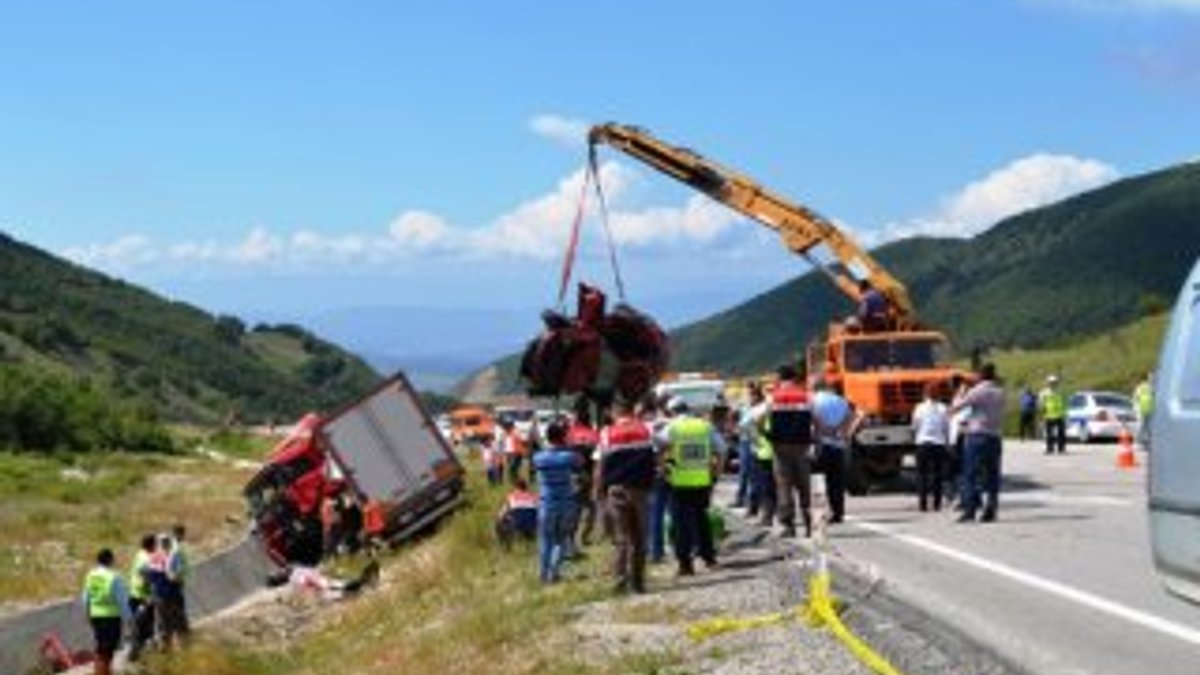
(453,603)
(59,510)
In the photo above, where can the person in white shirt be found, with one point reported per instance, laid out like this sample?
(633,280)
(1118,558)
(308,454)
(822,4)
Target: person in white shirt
(931,422)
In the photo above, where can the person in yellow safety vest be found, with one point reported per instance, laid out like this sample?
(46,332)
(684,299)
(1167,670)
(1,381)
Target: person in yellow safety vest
(764,458)
(1143,403)
(1053,406)
(107,602)
(141,596)
(693,454)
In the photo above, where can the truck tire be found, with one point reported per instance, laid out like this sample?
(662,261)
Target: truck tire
(858,478)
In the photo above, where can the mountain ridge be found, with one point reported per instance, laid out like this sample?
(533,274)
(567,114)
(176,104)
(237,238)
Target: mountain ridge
(188,365)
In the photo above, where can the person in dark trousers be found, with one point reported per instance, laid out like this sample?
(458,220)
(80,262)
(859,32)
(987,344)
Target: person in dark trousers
(835,421)
(624,475)
(141,597)
(931,427)
(179,571)
(1027,407)
(554,466)
(982,449)
(168,594)
(1053,407)
(694,449)
(582,438)
(106,600)
(763,501)
(789,428)
(660,491)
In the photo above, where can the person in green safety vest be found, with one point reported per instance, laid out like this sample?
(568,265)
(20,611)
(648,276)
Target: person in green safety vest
(141,596)
(1143,403)
(764,457)
(106,600)
(1053,407)
(692,459)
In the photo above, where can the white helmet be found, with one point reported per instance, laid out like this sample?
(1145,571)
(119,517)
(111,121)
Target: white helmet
(1052,379)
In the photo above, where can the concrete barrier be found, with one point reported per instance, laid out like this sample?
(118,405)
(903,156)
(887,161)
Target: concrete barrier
(216,583)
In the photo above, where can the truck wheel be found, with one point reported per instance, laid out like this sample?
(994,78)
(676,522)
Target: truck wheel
(858,479)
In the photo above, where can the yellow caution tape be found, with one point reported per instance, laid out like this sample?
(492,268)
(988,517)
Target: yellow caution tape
(819,611)
(703,630)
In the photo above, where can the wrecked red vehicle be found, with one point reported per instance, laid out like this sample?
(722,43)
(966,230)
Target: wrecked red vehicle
(382,451)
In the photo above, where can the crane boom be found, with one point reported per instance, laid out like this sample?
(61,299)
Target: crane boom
(801,229)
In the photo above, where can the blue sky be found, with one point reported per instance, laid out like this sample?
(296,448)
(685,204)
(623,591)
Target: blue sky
(301,157)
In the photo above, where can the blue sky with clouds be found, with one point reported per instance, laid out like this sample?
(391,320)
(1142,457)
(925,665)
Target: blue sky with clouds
(298,157)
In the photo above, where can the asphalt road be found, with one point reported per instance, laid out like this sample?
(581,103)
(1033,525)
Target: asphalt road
(1062,583)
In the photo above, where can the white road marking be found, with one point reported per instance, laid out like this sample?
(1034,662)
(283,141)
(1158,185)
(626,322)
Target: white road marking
(1144,619)
(1050,497)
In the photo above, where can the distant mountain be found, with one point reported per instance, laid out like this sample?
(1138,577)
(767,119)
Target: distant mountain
(187,364)
(1056,274)
(1049,276)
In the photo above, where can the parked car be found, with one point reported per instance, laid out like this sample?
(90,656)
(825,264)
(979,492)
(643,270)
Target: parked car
(1095,415)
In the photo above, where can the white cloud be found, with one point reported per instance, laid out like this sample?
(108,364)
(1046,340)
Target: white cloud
(566,131)
(536,229)
(1027,183)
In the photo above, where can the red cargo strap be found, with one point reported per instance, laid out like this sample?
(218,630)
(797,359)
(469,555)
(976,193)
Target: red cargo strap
(573,242)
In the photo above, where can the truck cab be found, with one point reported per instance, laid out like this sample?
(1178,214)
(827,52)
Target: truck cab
(884,375)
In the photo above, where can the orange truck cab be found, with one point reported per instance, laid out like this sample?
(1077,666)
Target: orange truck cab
(471,424)
(884,375)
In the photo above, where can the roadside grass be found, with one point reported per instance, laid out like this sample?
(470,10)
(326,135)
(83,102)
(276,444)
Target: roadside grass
(1115,361)
(454,602)
(59,509)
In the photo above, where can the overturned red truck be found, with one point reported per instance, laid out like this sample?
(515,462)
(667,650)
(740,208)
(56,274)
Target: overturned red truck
(382,451)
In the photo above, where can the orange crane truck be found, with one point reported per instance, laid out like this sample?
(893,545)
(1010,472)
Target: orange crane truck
(882,371)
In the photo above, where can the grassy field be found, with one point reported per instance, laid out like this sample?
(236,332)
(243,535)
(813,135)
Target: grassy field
(1116,361)
(60,509)
(453,603)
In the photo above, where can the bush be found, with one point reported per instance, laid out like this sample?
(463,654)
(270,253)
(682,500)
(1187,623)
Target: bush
(44,413)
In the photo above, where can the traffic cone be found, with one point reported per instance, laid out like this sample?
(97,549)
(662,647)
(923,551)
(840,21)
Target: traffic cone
(1125,457)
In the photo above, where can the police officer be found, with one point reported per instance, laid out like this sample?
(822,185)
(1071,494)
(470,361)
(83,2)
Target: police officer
(141,599)
(107,603)
(790,433)
(1054,415)
(624,475)
(694,449)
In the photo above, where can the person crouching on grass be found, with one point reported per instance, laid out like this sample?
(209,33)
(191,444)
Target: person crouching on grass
(555,466)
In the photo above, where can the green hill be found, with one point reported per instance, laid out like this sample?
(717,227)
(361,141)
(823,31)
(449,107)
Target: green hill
(1050,276)
(60,319)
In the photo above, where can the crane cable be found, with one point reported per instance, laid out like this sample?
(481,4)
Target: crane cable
(594,169)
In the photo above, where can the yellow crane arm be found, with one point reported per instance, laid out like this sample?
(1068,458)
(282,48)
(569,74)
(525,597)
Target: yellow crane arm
(801,229)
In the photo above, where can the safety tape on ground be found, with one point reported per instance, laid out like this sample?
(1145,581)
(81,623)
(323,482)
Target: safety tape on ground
(819,611)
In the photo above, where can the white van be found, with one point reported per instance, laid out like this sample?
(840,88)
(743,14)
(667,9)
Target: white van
(1175,448)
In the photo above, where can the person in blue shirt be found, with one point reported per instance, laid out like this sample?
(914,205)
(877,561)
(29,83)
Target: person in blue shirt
(1028,410)
(555,467)
(835,421)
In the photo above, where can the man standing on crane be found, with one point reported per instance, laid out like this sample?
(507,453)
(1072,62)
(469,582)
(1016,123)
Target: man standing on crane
(872,307)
